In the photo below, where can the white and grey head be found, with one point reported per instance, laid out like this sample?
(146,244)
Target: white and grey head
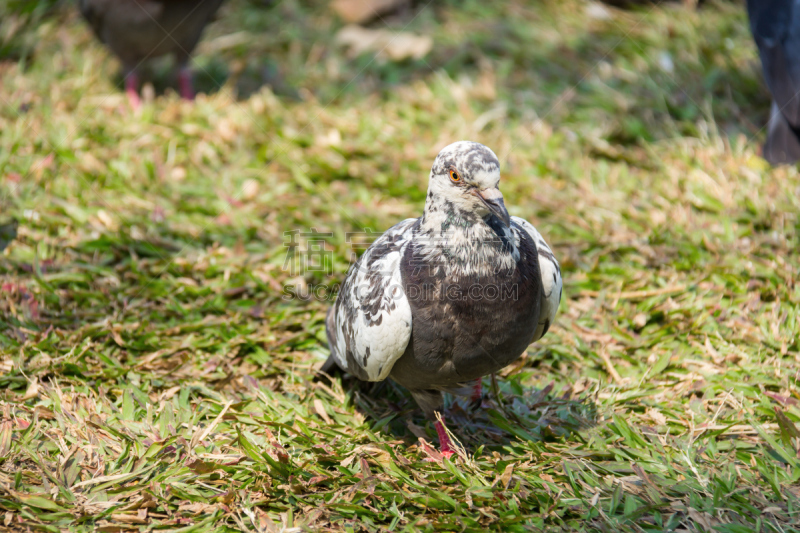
(466,228)
(464,180)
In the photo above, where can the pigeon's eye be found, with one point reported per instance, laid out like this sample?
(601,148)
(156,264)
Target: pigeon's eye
(454,175)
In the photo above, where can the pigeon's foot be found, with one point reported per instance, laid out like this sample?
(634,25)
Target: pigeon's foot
(132,90)
(445,446)
(185,83)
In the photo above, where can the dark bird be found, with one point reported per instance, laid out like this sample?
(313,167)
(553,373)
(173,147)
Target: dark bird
(8,232)
(138,30)
(776,29)
(440,301)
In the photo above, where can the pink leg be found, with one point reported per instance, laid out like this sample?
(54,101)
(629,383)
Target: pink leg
(185,83)
(477,390)
(445,445)
(132,90)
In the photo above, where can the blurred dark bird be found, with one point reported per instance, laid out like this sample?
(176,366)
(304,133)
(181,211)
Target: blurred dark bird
(440,301)
(138,30)
(8,232)
(776,29)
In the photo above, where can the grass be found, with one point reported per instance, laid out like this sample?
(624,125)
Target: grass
(156,376)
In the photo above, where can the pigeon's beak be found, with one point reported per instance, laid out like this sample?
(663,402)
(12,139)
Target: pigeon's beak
(493,200)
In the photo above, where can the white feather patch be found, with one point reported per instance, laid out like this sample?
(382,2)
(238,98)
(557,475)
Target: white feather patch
(372,313)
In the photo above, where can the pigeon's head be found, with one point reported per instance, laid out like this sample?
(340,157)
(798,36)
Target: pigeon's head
(465,175)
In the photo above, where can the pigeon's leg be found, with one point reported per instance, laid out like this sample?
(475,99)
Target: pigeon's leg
(445,446)
(132,88)
(185,82)
(431,402)
(477,390)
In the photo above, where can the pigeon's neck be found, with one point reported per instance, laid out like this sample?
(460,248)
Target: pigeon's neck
(444,217)
(465,244)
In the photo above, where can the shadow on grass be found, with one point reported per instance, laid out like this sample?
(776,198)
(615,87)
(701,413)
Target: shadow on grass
(512,413)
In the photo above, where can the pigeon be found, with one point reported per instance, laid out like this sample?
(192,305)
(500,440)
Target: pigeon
(775,25)
(437,302)
(137,30)
(8,232)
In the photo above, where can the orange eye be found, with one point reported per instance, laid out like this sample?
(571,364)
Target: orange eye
(454,175)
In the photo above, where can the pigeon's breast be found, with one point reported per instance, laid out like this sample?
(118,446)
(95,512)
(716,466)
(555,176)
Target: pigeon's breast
(467,327)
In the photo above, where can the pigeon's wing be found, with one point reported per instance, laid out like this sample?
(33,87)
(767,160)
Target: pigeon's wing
(551,277)
(775,25)
(108,16)
(369,325)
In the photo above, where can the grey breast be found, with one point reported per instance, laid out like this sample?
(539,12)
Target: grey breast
(457,336)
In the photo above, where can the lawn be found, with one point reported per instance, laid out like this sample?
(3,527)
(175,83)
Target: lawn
(159,334)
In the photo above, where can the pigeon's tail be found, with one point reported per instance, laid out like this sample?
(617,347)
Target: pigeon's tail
(783,140)
(328,369)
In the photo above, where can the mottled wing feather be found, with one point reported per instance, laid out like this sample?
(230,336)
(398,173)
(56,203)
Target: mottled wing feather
(369,325)
(551,278)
